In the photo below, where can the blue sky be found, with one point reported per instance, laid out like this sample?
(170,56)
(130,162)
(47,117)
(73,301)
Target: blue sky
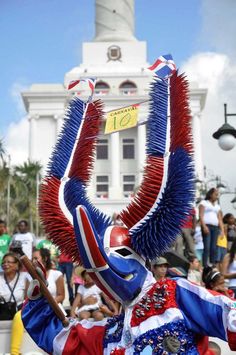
(41,40)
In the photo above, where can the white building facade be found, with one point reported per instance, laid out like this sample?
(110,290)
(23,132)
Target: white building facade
(118,61)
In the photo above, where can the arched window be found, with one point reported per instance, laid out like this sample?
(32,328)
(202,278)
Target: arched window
(128,88)
(102,88)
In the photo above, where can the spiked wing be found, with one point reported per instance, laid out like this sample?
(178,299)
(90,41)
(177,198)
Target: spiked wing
(165,198)
(69,170)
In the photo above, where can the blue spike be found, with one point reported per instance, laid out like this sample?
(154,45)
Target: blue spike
(64,146)
(75,194)
(159,231)
(157,120)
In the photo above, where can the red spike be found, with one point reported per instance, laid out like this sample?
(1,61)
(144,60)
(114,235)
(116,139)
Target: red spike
(56,226)
(83,159)
(181,130)
(147,193)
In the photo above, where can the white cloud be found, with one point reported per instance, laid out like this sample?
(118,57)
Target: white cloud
(219,25)
(17,141)
(15,92)
(217,74)
(17,135)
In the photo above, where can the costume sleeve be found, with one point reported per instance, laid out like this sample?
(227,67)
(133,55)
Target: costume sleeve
(46,330)
(41,323)
(207,312)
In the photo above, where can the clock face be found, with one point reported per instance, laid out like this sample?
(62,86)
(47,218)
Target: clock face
(114,53)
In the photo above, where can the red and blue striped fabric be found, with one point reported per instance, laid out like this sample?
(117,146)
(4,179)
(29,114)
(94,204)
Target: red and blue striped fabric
(164,66)
(196,310)
(90,81)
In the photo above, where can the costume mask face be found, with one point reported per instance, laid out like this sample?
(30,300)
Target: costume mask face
(109,258)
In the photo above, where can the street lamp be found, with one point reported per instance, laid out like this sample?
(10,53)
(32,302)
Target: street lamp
(226,134)
(209,181)
(234,202)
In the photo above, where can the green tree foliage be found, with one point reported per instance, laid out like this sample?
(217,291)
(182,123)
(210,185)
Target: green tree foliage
(19,187)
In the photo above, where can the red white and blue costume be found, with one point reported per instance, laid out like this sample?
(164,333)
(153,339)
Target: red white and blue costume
(165,315)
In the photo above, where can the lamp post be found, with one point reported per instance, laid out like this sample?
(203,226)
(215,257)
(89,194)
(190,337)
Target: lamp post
(210,180)
(226,134)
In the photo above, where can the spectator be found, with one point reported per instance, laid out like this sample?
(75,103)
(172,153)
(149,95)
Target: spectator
(159,268)
(88,301)
(230,228)
(194,273)
(187,231)
(5,240)
(215,281)
(221,249)
(214,348)
(178,245)
(54,277)
(76,279)
(229,267)
(26,238)
(54,253)
(211,224)
(13,285)
(13,282)
(66,267)
(198,242)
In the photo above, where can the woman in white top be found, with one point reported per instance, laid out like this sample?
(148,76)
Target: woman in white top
(13,286)
(13,283)
(229,267)
(54,277)
(210,216)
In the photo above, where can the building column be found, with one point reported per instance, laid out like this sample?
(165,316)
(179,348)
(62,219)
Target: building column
(59,123)
(32,135)
(114,185)
(141,152)
(196,124)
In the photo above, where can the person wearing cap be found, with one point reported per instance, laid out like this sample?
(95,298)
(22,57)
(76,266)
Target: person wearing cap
(159,268)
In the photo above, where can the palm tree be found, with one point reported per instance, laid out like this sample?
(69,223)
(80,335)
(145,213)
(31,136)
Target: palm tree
(4,182)
(18,191)
(2,151)
(27,176)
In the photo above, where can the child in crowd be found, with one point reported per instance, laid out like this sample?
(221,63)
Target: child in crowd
(198,242)
(159,268)
(230,228)
(88,302)
(76,279)
(194,272)
(221,249)
(215,281)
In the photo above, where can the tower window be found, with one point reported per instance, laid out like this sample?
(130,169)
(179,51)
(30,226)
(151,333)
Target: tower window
(128,88)
(128,148)
(102,149)
(102,186)
(128,185)
(102,88)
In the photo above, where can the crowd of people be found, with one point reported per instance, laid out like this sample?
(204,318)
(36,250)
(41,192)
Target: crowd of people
(208,243)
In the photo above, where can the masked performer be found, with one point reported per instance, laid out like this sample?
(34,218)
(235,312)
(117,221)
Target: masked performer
(166,315)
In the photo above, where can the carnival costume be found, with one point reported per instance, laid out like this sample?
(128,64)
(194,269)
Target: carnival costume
(165,315)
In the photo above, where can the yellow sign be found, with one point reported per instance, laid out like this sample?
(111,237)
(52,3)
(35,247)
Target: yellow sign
(121,119)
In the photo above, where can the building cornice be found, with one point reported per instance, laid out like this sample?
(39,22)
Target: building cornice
(31,96)
(200,95)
